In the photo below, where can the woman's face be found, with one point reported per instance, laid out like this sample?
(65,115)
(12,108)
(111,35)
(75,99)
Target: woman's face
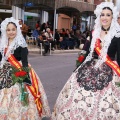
(11,31)
(106,18)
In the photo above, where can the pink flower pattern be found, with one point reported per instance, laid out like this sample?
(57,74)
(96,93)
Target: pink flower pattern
(11,107)
(75,103)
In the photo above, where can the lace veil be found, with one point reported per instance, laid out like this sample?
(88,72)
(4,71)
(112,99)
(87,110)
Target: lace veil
(18,40)
(114,31)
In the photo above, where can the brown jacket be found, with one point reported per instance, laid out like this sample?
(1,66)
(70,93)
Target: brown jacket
(24,29)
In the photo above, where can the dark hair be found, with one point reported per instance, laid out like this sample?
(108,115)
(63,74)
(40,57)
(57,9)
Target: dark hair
(108,9)
(12,23)
(21,20)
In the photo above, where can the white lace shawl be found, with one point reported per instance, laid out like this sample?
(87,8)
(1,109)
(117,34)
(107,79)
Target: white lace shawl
(18,40)
(114,31)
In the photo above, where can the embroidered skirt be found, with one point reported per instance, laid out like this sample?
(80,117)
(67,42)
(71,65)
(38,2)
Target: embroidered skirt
(81,99)
(11,107)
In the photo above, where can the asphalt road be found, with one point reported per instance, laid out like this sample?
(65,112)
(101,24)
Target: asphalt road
(54,71)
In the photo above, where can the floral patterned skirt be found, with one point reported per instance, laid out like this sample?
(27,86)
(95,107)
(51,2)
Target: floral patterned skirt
(76,102)
(11,107)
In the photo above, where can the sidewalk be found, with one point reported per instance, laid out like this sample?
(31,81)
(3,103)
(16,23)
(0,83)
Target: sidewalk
(34,49)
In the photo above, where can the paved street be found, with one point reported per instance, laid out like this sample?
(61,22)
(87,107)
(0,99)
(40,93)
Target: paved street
(54,71)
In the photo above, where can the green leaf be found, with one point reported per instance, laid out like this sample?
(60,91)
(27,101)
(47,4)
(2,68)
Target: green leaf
(117,83)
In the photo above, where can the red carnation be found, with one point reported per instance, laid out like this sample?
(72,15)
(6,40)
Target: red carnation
(20,74)
(23,73)
(81,58)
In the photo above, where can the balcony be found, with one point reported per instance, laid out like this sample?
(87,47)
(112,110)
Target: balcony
(81,5)
(78,4)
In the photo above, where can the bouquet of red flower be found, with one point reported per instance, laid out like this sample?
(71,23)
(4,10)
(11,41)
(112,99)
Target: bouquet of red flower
(19,75)
(81,58)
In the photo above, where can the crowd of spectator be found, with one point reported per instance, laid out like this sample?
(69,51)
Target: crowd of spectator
(63,39)
(69,39)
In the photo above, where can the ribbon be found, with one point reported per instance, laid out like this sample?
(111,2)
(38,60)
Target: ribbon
(34,88)
(108,61)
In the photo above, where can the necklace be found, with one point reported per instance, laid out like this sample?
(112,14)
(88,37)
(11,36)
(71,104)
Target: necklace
(106,30)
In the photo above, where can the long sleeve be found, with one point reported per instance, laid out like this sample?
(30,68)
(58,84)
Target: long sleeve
(118,51)
(21,54)
(24,57)
(114,49)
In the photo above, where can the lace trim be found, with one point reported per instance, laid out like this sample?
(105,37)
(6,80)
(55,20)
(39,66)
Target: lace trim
(114,31)
(94,79)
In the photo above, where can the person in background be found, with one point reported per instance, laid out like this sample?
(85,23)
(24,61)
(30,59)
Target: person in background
(43,27)
(93,90)
(29,32)
(49,37)
(37,24)
(24,28)
(57,38)
(63,43)
(22,96)
(45,42)
(48,25)
(74,28)
(69,38)
(36,32)
(78,38)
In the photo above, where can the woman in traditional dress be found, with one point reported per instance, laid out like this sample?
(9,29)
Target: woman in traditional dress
(22,96)
(92,93)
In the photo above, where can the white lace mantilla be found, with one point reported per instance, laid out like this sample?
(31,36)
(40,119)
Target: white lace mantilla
(18,40)
(113,32)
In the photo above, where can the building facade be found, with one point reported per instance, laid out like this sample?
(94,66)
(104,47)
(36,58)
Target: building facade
(63,12)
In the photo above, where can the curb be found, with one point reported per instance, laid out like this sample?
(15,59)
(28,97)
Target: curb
(36,50)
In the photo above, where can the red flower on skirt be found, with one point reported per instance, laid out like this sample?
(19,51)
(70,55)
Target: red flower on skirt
(20,73)
(81,58)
